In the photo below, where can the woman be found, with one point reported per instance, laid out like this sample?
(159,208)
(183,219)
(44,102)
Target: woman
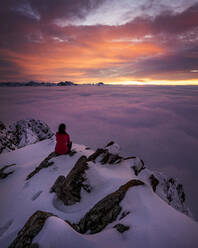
(63,143)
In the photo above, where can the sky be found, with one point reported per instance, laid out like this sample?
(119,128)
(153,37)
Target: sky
(156,123)
(87,41)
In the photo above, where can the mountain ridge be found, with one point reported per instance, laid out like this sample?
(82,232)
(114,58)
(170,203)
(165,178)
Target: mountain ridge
(140,208)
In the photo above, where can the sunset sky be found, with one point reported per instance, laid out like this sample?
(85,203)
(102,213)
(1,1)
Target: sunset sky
(87,41)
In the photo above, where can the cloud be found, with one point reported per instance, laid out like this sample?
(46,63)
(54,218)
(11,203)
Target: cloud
(146,48)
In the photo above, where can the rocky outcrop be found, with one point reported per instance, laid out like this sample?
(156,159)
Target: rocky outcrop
(32,227)
(170,191)
(22,133)
(68,189)
(105,211)
(44,164)
(107,155)
(4,174)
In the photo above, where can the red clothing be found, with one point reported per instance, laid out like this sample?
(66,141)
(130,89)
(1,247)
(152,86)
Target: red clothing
(62,139)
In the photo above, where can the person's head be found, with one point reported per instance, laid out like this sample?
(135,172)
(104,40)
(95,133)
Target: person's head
(62,128)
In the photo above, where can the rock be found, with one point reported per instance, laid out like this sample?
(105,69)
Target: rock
(68,189)
(96,154)
(121,228)
(139,166)
(108,154)
(154,182)
(31,228)
(170,191)
(58,185)
(4,174)
(105,211)
(2,126)
(44,164)
(181,193)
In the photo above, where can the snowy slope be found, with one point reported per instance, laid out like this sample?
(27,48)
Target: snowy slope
(151,221)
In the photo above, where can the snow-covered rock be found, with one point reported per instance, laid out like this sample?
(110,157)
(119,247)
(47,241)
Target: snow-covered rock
(22,133)
(126,206)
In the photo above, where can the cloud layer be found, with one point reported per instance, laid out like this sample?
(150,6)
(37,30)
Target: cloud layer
(46,40)
(156,123)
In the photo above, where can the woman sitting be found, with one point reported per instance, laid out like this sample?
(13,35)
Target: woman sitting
(63,143)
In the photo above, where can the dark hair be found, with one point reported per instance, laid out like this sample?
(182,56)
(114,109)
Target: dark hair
(61,128)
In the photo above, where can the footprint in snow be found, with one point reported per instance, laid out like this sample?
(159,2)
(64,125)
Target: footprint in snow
(35,196)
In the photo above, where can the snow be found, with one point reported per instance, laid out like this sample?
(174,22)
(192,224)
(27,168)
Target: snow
(153,223)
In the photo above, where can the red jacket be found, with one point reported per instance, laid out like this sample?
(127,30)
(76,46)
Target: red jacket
(62,139)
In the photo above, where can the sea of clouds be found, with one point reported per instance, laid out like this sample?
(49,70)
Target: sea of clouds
(156,123)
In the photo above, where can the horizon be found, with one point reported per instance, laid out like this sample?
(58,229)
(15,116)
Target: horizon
(144,42)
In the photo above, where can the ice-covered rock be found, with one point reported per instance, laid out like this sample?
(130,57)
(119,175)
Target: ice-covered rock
(171,191)
(167,188)
(22,133)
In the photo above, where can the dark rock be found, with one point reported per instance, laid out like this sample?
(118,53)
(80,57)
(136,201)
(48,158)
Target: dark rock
(2,126)
(106,210)
(132,157)
(4,174)
(138,167)
(68,189)
(44,164)
(32,227)
(106,156)
(110,143)
(154,182)
(96,154)
(58,185)
(121,228)
(172,180)
(181,193)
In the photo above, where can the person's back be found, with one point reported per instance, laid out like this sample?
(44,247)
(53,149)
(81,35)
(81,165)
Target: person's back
(63,143)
